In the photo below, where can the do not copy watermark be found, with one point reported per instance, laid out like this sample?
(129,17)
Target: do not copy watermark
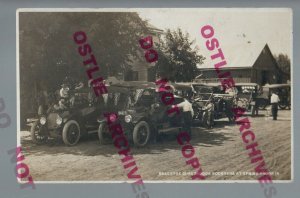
(4,117)
(183,138)
(167,98)
(21,169)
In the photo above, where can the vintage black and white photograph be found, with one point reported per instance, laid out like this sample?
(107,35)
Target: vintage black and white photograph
(155,94)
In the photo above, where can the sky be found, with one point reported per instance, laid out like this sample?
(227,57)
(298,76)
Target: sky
(233,27)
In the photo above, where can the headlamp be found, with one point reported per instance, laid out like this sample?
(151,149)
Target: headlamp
(128,118)
(121,112)
(43,120)
(59,120)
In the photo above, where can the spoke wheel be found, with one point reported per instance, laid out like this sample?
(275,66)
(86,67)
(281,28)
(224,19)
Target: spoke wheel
(71,133)
(104,134)
(37,135)
(262,105)
(282,106)
(141,134)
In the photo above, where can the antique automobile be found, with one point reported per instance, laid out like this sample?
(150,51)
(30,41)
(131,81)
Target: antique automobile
(146,116)
(184,90)
(211,93)
(247,94)
(69,123)
(284,93)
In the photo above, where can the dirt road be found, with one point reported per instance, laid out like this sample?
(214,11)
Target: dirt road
(219,149)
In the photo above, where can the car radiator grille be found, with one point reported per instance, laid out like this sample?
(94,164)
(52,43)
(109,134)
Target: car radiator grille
(51,121)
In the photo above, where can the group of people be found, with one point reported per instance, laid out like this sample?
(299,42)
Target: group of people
(61,99)
(66,100)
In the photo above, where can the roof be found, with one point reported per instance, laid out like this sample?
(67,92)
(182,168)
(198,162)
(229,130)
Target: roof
(154,29)
(117,89)
(135,84)
(207,84)
(245,84)
(277,85)
(181,86)
(239,56)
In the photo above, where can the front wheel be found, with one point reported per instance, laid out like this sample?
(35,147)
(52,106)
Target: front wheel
(103,134)
(37,135)
(71,133)
(204,118)
(141,134)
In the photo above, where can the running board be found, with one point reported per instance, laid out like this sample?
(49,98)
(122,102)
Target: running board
(167,130)
(93,131)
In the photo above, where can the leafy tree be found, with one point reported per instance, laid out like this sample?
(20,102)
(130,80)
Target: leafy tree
(47,46)
(177,60)
(284,63)
(48,52)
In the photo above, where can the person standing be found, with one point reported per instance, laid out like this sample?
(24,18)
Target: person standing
(187,113)
(210,108)
(254,104)
(274,102)
(254,107)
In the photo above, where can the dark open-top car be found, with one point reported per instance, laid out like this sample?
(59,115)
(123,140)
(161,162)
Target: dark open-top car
(69,123)
(211,93)
(248,94)
(146,116)
(284,93)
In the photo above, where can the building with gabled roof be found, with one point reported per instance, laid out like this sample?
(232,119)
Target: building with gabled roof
(247,64)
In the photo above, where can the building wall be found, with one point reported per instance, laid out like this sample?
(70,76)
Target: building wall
(263,71)
(239,75)
(140,64)
(267,68)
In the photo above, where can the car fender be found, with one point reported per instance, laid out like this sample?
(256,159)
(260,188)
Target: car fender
(138,118)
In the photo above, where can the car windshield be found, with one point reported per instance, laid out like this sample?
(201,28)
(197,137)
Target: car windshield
(117,100)
(203,89)
(145,97)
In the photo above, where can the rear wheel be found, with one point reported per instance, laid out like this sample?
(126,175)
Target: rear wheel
(103,134)
(282,106)
(141,134)
(37,135)
(262,104)
(71,133)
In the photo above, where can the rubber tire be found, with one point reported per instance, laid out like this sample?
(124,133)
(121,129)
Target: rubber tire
(282,107)
(263,104)
(32,134)
(230,117)
(135,132)
(65,130)
(203,119)
(102,140)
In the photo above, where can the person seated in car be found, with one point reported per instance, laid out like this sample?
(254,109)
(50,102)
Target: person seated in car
(64,96)
(62,104)
(146,99)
